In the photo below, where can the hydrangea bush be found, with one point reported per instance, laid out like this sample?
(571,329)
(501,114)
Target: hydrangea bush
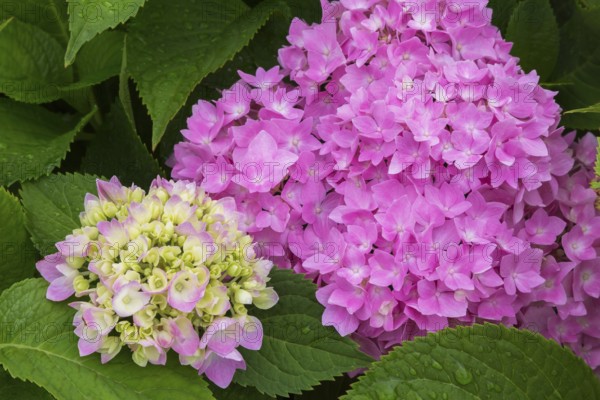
(401,158)
(164,270)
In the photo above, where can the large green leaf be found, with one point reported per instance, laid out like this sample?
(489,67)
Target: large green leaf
(501,12)
(307,10)
(582,93)
(88,18)
(31,70)
(52,206)
(33,141)
(17,255)
(173,45)
(49,15)
(297,352)
(118,150)
(480,362)
(579,65)
(534,31)
(12,388)
(594,109)
(37,344)
(99,59)
(563,9)
(576,48)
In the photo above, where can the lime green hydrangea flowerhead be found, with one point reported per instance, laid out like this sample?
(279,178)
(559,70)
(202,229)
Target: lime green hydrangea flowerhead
(167,269)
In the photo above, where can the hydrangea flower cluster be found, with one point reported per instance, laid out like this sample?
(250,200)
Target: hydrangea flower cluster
(401,157)
(169,269)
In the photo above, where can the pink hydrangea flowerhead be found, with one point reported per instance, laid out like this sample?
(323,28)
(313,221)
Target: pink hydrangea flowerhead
(167,269)
(400,156)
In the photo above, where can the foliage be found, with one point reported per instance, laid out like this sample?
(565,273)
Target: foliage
(482,361)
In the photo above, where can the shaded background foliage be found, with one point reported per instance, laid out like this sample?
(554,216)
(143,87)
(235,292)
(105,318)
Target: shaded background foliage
(104,87)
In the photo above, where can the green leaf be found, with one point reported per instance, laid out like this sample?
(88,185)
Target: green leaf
(99,60)
(33,141)
(52,206)
(17,255)
(33,73)
(118,150)
(534,31)
(583,93)
(484,361)
(48,15)
(576,48)
(269,39)
(563,9)
(297,351)
(591,109)
(196,38)
(502,10)
(38,344)
(307,10)
(124,93)
(12,388)
(88,18)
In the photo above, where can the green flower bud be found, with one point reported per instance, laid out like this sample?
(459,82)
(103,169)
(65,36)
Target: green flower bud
(152,257)
(169,253)
(145,317)
(215,271)
(243,297)
(239,309)
(109,209)
(136,195)
(160,301)
(80,284)
(157,281)
(234,270)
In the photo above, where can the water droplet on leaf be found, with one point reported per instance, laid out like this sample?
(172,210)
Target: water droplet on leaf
(463,376)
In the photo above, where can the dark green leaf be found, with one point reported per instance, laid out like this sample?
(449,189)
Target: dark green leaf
(12,388)
(591,109)
(576,48)
(33,73)
(17,255)
(534,31)
(582,93)
(298,352)
(118,150)
(52,206)
(480,362)
(502,10)
(33,141)
(49,15)
(99,59)
(88,18)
